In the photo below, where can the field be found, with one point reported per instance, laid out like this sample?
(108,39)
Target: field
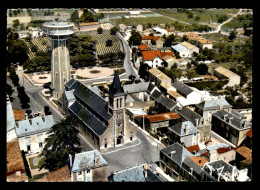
(101,41)
(239,21)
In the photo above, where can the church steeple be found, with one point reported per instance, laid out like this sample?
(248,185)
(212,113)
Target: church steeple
(116,89)
(116,93)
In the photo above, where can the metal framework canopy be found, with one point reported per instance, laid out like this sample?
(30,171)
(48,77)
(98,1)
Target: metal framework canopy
(56,29)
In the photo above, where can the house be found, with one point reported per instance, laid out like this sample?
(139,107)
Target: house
(204,43)
(220,170)
(193,36)
(152,58)
(190,47)
(230,125)
(122,27)
(140,173)
(105,123)
(184,133)
(161,31)
(152,123)
(15,169)
(188,114)
(138,89)
(208,107)
(185,49)
(132,112)
(10,121)
(244,158)
(34,31)
(139,28)
(158,77)
(59,175)
(222,72)
(192,96)
(148,40)
(169,31)
(88,166)
(178,163)
(31,133)
(88,26)
(143,47)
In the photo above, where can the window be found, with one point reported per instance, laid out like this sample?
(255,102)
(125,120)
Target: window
(120,102)
(88,171)
(79,173)
(117,103)
(40,145)
(28,148)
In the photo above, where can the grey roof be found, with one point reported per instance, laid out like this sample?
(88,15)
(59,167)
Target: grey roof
(151,86)
(138,87)
(134,174)
(180,154)
(213,104)
(182,88)
(93,102)
(179,48)
(70,83)
(151,177)
(69,95)
(85,160)
(179,129)
(10,117)
(132,98)
(97,126)
(235,122)
(156,94)
(166,102)
(187,114)
(217,146)
(95,90)
(24,128)
(164,48)
(191,164)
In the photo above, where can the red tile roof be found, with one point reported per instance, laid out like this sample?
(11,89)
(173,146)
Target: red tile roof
(161,116)
(169,30)
(143,47)
(204,41)
(245,152)
(167,53)
(60,175)
(150,55)
(150,37)
(14,158)
(19,115)
(249,133)
(223,150)
(198,160)
(193,148)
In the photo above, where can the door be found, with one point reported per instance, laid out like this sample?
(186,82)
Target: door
(119,139)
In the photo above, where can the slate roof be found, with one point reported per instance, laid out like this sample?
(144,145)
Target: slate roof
(180,154)
(182,88)
(116,89)
(93,102)
(235,122)
(95,90)
(134,174)
(151,86)
(166,102)
(191,164)
(213,104)
(188,114)
(88,118)
(69,95)
(156,94)
(179,129)
(24,128)
(132,98)
(85,160)
(70,83)
(138,87)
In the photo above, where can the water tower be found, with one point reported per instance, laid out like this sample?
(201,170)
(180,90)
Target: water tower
(59,32)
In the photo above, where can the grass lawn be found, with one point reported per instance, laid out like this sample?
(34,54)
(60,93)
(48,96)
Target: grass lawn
(36,162)
(94,71)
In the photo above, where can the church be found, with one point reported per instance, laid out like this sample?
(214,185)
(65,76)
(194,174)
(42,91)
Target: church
(105,123)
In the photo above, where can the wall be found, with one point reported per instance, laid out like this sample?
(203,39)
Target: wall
(203,46)
(99,174)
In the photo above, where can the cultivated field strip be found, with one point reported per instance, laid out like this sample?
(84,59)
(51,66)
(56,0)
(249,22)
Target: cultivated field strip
(39,43)
(29,53)
(101,41)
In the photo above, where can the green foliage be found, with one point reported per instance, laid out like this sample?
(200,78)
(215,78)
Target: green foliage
(114,30)
(100,30)
(109,43)
(208,85)
(61,142)
(202,69)
(135,38)
(169,40)
(222,18)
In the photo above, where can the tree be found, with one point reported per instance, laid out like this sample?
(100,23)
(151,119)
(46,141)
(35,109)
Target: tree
(190,15)
(100,30)
(202,69)
(168,40)
(232,35)
(135,38)
(184,38)
(113,30)
(109,43)
(197,18)
(16,23)
(61,142)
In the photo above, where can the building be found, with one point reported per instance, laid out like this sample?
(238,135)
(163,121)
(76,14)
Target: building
(152,58)
(138,90)
(10,121)
(105,124)
(152,123)
(122,27)
(178,163)
(244,158)
(59,32)
(148,40)
(220,170)
(31,133)
(193,36)
(184,133)
(208,107)
(15,169)
(222,72)
(204,43)
(88,166)
(231,126)
(192,96)
(190,47)
(140,173)
(185,49)
(158,77)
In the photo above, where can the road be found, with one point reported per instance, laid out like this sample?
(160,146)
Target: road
(128,65)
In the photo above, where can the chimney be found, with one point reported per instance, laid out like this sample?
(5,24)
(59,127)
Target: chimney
(70,156)
(172,153)
(197,122)
(26,116)
(230,119)
(220,108)
(186,129)
(204,121)
(96,161)
(30,120)
(224,117)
